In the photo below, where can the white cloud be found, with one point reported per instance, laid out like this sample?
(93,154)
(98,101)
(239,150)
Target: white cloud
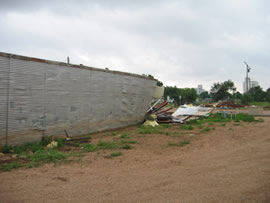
(183,43)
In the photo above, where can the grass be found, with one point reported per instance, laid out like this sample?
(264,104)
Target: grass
(153,130)
(236,124)
(244,118)
(175,134)
(46,156)
(205,130)
(108,145)
(201,126)
(124,136)
(187,127)
(126,146)
(179,144)
(260,104)
(164,126)
(218,118)
(37,153)
(89,148)
(128,142)
(10,166)
(114,154)
(150,130)
(223,124)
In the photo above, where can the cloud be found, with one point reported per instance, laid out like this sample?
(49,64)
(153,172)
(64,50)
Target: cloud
(183,43)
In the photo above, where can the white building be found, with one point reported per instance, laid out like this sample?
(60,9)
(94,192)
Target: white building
(251,83)
(200,89)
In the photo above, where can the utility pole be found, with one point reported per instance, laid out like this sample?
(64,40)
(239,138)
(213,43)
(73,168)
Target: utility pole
(248,69)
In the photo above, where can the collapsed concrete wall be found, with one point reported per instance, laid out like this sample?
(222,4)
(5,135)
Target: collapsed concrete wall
(40,98)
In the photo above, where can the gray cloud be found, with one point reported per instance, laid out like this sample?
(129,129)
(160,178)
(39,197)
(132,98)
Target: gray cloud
(183,43)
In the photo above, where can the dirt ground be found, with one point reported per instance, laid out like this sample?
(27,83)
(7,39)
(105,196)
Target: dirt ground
(227,164)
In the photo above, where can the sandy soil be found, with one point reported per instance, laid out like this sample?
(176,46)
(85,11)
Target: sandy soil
(228,164)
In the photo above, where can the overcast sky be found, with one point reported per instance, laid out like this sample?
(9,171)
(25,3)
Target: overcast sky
(180,42)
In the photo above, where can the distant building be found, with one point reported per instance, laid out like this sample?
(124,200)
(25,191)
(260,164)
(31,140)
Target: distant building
(200,89)
(251,83)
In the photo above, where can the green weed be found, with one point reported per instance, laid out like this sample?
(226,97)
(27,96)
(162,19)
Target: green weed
(126,146)
(89,148)
(10,166)
(193,121)
(201,126)
(108,145)
(75,144)
(244,117)
(205,130)
(128,142)
(114,154)
(164,126)
(47,156)
(179,144)
(187,127)
(149,130)
(223,124)
(124,136)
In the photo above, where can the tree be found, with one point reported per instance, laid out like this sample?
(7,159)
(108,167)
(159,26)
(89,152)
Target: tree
(245,98)
(188,95)
(204,95)
(257,94)
(268,94)
(221,91)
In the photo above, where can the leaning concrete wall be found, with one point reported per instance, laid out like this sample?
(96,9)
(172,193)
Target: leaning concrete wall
(39,97)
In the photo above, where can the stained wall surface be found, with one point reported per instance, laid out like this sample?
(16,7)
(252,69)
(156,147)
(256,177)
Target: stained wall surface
(40,98)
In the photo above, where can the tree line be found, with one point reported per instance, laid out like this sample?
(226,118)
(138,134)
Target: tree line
(219,91)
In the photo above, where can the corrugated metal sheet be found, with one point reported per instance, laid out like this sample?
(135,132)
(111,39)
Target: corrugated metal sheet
(39,97)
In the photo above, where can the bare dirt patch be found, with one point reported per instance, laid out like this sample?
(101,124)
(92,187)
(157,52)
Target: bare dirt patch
(227,163)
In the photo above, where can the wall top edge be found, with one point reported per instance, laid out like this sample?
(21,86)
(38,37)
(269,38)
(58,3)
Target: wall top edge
(81,66)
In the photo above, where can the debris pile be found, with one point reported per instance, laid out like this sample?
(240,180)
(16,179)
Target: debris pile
(228,104)
(158,114)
